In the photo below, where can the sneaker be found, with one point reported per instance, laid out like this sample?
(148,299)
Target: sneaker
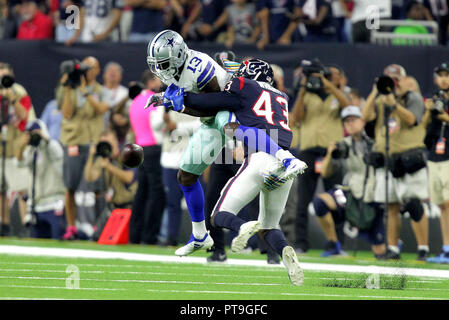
(217,256)
(332,249)
(246,231)
(390,255)
(422,255)
(195,244)
(273,258)
(442,258)
(290,261)
(71,233)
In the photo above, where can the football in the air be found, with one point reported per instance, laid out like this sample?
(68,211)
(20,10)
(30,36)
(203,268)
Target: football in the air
(132,155)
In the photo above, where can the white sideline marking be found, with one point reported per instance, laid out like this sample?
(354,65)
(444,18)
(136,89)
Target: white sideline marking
(97,254)
(64,288)
(295,294)
(152,281)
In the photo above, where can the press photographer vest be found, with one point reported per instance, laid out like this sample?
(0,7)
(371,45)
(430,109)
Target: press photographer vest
(321,124)
(85,125)
(403,137)
(14,132)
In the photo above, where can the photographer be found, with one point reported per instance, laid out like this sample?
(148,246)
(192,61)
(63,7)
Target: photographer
(121,182)
(355,205)
(15,104)
(437,141)
(48,190)
(81,99)
(402,110)
(317,112)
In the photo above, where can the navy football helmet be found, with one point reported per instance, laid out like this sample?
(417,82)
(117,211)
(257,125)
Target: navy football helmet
(255,69)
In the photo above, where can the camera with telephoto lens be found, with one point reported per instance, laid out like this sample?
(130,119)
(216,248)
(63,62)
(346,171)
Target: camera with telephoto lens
(35,139)
(74,69)
(341,151)
(440,102)
(385,85)
(134,89)
(6,81)
(104,149)
(314,83)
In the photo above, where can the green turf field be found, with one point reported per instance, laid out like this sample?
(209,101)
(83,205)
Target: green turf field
(39,276)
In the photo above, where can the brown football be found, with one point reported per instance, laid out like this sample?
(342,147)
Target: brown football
(132,155)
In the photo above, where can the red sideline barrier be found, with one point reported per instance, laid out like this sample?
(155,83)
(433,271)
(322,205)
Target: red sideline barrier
(116,230)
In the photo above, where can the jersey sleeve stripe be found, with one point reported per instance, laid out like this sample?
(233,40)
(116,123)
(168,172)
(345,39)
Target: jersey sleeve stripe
(208,78)
(204,74)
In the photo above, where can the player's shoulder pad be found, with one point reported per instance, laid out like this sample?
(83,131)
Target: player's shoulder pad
(236,85)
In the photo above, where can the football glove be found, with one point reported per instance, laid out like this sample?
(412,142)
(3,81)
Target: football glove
(174,98)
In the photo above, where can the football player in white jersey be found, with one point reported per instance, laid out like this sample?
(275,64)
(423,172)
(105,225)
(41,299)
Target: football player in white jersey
(173,62)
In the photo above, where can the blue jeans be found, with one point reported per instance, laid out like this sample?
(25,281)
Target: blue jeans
(173,195)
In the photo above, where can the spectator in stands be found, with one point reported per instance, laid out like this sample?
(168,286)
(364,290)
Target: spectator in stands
(336,206)
(183,16)
(120,180)
(114,91)
(101,20)
(408,172)
(437,142)
(318,19)
(437,10)
(339,12)
(275,21)
(148,19)
(83,109)
(243,26)
(414,11)
(318,114)
(176,128)
(9,19)
(149,202)
(35,25)
(212,19)
(48,206)
(362,17)
(17,179)
(66,30)
(52,117)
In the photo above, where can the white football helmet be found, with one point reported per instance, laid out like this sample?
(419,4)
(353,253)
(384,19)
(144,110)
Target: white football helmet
(166,53)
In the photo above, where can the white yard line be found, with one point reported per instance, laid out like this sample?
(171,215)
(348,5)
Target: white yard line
(65,288)
(293,294)
(97,254)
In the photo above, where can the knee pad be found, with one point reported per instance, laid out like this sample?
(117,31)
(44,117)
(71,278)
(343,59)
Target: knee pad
(320,207)
(415,208)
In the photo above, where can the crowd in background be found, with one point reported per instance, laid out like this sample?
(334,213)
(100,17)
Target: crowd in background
(75,145)
(259,22)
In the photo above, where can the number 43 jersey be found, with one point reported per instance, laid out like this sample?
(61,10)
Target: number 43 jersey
(262,107)
(198,71)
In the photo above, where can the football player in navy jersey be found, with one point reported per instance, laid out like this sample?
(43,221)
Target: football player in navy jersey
(256,104)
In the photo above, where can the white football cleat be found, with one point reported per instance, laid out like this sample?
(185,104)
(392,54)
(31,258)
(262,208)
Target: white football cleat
(195,244)
(293,167)
(290,261)
(246,231)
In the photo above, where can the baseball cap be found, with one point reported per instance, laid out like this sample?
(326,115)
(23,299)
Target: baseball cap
(395,71)
(442,67)
(351,111)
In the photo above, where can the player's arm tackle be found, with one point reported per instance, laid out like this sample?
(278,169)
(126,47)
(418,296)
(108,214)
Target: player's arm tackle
(178,100)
